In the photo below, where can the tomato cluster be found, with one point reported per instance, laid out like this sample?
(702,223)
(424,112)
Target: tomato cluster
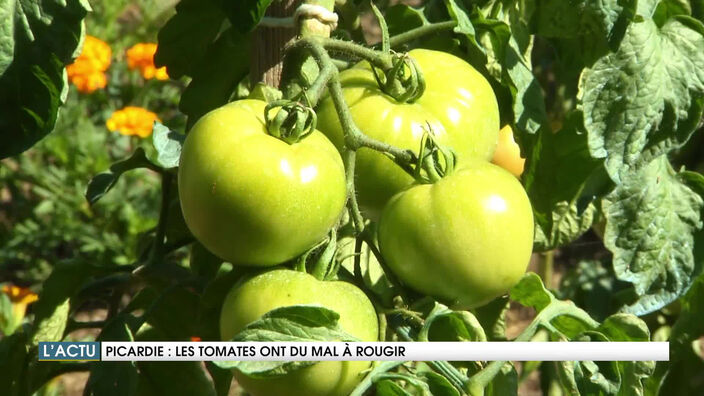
(255,200)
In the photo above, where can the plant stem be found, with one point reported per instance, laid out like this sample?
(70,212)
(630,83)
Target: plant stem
(421,31)
(355,213)
(158,248)
(545,267)
(376,58)
(368,381)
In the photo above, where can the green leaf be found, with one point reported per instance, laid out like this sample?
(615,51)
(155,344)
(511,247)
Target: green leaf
(216,75)
(492,318)
(168,145)
(604,20)
(101,183)
(293,323)
(508,62)
(37,39)
(593,287)
(222,378)
(13,358)
(114,378)
(438,384)
(390,388)
(185,38)
(530,292)
(401,18)
(52,308)
(666,9)
(245,14)
(444,324)
(505,382)
(562,181)
(650,221)
(204,263)
(646,98)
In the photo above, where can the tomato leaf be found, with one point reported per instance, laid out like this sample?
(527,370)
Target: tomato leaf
(655,100)
(650,222)
(184,39)
(593,287)
(245,14)
(101,183)
(13,357)
(563,181)
(505,382)
(157,378)
(38,39)
(168,145)
(603,20)
(114,378)
(216,75)
(492,318)
(437,384)
(52,308)
(292,323)
(222,378)
(444,324)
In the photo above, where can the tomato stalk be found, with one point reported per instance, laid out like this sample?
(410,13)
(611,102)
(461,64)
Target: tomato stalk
(425,30)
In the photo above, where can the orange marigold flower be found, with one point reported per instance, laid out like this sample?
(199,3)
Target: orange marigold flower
(132,120)
(19,295)
(87,71)
(141,56)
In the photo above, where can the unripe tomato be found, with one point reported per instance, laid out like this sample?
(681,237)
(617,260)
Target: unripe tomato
(279,288)
(463,240)
(251,198)
(508,153)
(458,104)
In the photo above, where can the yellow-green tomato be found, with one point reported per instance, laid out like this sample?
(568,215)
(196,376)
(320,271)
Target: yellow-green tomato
(281,287)
(508,153)
(463,240)
(458,105)
(251,198)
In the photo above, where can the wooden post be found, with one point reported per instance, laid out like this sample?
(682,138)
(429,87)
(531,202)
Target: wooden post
(268,42)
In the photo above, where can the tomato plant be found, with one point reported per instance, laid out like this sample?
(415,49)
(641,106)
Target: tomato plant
(449,239)
(254,199)
(461,112)
(255,297)
(346,144)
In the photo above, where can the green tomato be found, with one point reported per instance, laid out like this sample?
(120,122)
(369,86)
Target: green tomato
(458,105)
(463,240)
(279,288)
(251,198)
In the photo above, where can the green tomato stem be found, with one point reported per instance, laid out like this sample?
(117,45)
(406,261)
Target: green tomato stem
(425,30)
(367,382)
(545,267)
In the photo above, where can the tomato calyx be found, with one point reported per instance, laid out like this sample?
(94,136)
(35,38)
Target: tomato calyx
(403,81)
(435,161)
(292,122)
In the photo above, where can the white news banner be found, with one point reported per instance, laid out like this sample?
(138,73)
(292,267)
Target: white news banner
(379,351)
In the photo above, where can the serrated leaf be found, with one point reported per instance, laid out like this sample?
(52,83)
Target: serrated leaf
(293,323)
(650,221)
(655,100)
(184,39)
(101,183)
(604,20)
(38,39)
(168,145)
